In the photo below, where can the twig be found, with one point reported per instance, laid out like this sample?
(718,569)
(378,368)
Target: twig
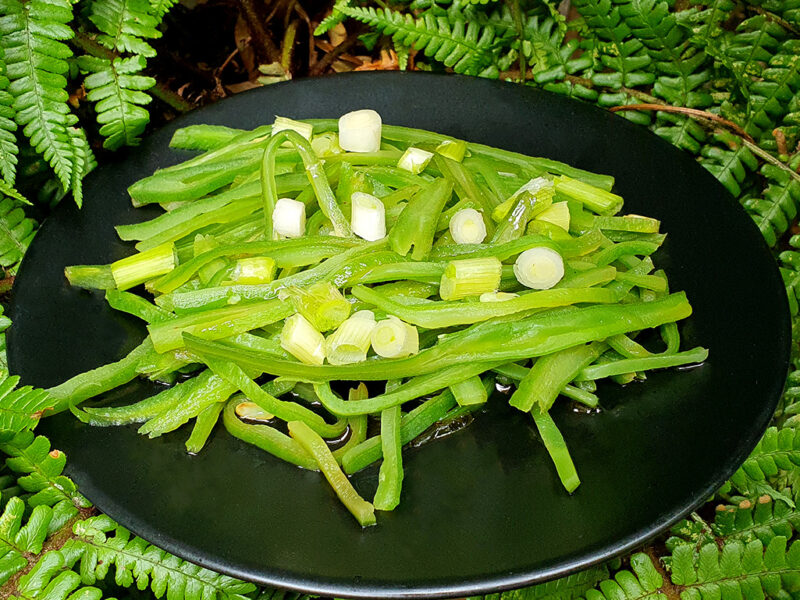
(287,46)
(774,18)
(301,12)
(767,157)
(692,112)
(265,46)
(327,60)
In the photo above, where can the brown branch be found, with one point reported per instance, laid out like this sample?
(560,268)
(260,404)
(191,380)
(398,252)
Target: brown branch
(266,49)
(774,18)
(327,60)
(692,112)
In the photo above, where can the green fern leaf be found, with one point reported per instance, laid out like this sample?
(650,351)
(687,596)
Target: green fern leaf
(706,20)
(776,209)
(566,588)
(466,47)
(642,582)
(730,167)
(35,57)
(20,409)
(790,272)
(333,19)
(48,580)
(778,450)
(683,132)
(118,91)
(101,544)
(549,56)
(159,8)
(771,96)
(83,161)
(737,569)
(18,541)
(8,139)
(44,479)
(123,24)
(763,520)
(16,232)
(615,47)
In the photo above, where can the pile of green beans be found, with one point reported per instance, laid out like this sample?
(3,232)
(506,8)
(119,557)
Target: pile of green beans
(221,341)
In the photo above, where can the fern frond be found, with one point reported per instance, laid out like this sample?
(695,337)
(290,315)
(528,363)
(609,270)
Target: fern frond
(119,93)
(683,132)
(8,139)
(771,98)
(778,450)
(31,36)
(333,19)
(790,272)
(763,519)
(20,409)
(642,582)
(466,47)
(17,540)
(729,166)
(101,544)
(48,580)
(44,468)
(159,8)
(706,19)
(16,232)
(548,54)
(776,209)
(123,24)
(737,569)
(82,162)
(615,47)
(566,588)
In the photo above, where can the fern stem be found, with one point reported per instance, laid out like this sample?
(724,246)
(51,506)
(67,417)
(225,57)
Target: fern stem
(766,156)
(265,46)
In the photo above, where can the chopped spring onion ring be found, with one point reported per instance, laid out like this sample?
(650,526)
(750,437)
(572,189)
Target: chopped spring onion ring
(539,268)
(368,216)
(360,131)
(415,160)
(289,218)
(282,124)
(143,266)
(321,303)
(452,149)
(467,227)
(349,343)
(470,277)
(301,340)
(254,270)
(326,144)
(393,338)
(557,214)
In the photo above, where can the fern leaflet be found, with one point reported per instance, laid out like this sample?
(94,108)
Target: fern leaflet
(16,232)
(763,520)
(20,409)
(566,588)
(775,210)
(778,450)
(31,37)
(159,8)
(17,540)
(642,582)
(8,140)
(119,94)
(465,46)
(123,24)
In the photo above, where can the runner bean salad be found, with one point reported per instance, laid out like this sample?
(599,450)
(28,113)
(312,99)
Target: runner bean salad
(333,289)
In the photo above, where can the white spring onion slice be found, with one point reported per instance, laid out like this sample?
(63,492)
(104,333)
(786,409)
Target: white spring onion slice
(415,160)
(301,340)
(326,144)
(497,296)
(254,270)
(367,216)
(360,131)
(467,227)
(539,268)
(289,218)
(350,342)
(393,338)
(282,124)
(470,277)
(557,214)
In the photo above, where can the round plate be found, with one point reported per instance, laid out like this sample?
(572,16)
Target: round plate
(483,508)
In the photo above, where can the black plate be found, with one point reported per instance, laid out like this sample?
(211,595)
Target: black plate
(482,509)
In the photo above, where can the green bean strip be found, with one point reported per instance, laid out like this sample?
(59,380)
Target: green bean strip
(631,365)
(627,347)
(137,306)
(612,253)
(416,225)
(386,158)
(203,427)
(557,448)
(93,383)
(217,323)
(648,282)
(285,252)
(411,426)
(544,381)
(286,411)
(436,315)
(498,343)
(517,372)
(362,510)
(390,477)
(90,277)
(589,278)
(316,174)
(463,183)
(423,272)
(202,137)
(267,438)
(581,246)
(137,412)
(207,390)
